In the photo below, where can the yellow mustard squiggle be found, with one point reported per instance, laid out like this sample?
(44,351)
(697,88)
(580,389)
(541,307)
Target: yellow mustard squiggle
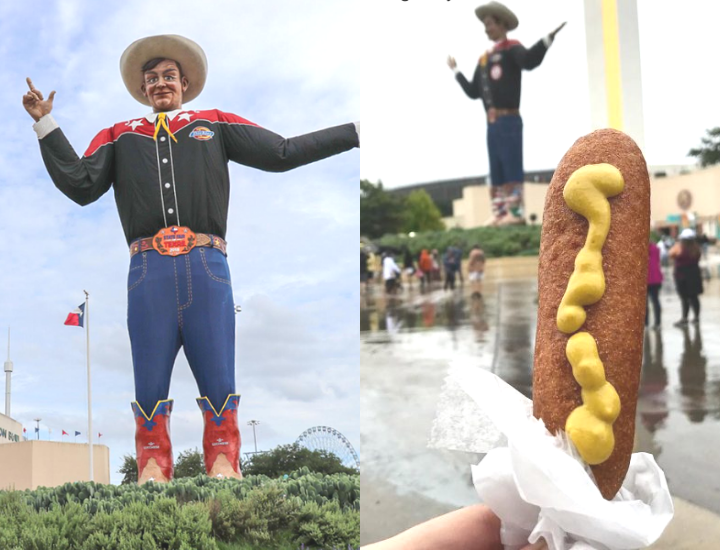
(589,426)
(586,193)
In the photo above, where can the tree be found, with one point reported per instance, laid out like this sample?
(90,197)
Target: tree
(421,214)
(189,463)
(129,470)
(288,458)
(709,152)
(380,212)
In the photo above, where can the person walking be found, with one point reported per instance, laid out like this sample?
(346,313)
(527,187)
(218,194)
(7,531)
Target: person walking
(436,269)
(476,264)
(391,273)
(497,82)
(374,266)
(654,282)
(451,264)
(458,252)
(425,264)
(686,255)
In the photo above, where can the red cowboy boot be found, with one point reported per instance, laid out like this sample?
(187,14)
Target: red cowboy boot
(152,443)
(498,206)
(221,438)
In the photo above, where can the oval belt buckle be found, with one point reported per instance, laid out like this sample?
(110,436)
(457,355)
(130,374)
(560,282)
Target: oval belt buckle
(174,240)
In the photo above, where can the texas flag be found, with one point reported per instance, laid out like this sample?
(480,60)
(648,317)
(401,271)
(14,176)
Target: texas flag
(75,318)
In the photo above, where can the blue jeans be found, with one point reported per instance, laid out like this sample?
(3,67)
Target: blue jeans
(505,150)
(184,301)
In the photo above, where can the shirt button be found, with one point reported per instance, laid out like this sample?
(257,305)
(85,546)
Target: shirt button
(164,161)
(167,186)
(170,210)
(162,138)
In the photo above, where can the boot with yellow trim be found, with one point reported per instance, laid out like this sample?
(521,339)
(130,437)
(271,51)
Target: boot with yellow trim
(221,438)
(152,443)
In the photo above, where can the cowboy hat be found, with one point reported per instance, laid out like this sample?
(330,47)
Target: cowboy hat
(500,12)
(167,46)
(687,234)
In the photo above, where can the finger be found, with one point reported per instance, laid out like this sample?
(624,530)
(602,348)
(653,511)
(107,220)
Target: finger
(51,97)
(34,89)
(29,82)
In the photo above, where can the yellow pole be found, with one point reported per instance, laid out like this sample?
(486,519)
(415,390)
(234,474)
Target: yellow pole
(613,83)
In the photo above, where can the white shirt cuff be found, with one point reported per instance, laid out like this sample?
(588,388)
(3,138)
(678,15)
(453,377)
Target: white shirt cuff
(357,129)
(45,125)
(455,70)
(548,40)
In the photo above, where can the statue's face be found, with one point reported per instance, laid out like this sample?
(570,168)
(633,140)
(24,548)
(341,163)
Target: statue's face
(494,29)
(163,86)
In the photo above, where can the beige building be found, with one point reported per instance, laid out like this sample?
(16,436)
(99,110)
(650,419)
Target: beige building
(32,464)
(683,200)
(11,431)
(29,464)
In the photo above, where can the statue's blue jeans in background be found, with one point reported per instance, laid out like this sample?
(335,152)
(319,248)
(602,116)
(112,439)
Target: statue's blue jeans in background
(505,150)
(184,301)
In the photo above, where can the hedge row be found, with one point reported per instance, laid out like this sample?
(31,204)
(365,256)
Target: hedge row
(497,242)
(202,513)
(344,489)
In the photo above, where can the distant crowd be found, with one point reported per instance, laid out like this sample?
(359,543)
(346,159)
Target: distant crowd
(428,268)
(685,255)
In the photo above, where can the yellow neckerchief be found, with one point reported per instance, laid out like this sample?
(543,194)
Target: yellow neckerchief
(162,122)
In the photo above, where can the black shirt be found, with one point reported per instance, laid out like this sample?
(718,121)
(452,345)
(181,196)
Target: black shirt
(498,74)
(159,183)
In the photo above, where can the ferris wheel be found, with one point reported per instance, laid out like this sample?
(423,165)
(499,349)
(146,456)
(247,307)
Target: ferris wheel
(324,438)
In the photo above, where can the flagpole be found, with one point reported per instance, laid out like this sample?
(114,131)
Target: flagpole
(87,334)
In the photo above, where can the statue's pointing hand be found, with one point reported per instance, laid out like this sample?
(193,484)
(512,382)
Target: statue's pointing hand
(35,103)
(552,34)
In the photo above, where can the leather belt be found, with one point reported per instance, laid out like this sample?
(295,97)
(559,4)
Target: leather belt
(209,241)
(493,114)
(507,112)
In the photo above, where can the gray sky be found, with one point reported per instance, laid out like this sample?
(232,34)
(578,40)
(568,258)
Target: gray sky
(418,124)
(292,238)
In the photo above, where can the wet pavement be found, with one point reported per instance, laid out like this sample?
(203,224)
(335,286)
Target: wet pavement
(408,341)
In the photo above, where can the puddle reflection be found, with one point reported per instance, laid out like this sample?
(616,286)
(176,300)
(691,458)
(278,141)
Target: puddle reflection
(679,398)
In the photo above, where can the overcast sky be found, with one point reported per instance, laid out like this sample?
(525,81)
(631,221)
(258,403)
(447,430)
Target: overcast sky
(292,238)
(418,124)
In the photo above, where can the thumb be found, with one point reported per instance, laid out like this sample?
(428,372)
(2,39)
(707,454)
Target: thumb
(51,97)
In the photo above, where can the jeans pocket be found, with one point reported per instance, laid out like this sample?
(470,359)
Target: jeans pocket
(215,265)
(138,271)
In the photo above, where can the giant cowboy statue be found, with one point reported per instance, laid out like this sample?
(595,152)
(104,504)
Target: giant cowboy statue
(169,172)
(497,82)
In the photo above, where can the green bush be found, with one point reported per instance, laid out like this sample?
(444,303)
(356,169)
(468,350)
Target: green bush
(186,514)
(327,526)
(497,242)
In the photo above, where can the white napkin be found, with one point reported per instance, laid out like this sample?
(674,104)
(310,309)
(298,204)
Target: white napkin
(539,487)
